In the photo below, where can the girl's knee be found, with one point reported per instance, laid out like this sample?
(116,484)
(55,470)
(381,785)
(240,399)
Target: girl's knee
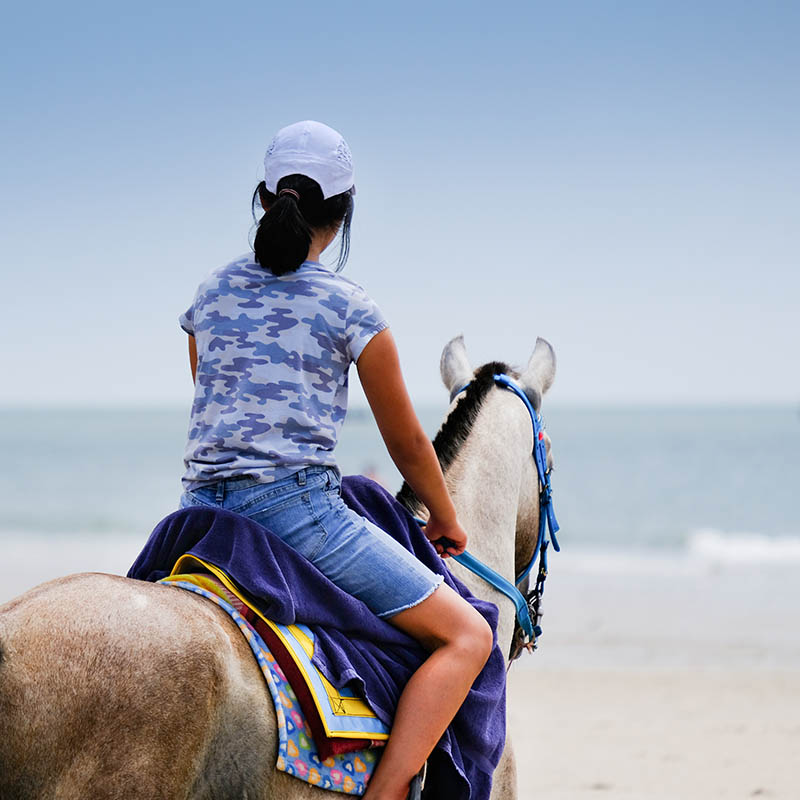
(478,638)
(472,637)
(446,619)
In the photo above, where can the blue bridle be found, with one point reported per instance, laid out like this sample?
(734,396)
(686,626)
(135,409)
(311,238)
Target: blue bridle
(547,521)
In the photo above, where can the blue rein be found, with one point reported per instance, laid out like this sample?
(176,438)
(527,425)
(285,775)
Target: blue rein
(547,521)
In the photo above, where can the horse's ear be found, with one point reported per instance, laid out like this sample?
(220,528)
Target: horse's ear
(454,365)
(541,367)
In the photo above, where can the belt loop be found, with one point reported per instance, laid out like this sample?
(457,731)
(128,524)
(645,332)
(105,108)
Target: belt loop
(220,491)
(301,478)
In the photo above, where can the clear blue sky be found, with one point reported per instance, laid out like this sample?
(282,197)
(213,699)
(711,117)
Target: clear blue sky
(620,178)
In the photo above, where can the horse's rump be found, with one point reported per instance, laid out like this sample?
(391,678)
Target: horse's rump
(134,663)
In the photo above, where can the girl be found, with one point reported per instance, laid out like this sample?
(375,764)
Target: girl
(271,338)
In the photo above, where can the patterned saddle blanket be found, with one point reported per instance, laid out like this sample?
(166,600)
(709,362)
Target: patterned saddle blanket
(327,736)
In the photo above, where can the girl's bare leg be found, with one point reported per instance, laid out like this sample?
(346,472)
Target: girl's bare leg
(460,642)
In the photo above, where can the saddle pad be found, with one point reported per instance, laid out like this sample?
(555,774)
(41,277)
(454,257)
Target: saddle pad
(347,773)
(340,721)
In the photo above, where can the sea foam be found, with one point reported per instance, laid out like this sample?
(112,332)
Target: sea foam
(719,547)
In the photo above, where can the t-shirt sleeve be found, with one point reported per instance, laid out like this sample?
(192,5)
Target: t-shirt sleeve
(364,320)
(186,320)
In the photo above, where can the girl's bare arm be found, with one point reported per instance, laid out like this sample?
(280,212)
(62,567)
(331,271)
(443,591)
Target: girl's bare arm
(410,449)
(193,357)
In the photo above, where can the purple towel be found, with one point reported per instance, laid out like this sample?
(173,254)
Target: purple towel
(354,646)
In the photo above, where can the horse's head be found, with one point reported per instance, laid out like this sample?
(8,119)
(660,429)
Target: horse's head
(535,379)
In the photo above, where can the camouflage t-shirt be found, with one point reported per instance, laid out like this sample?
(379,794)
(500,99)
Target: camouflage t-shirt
(273,353)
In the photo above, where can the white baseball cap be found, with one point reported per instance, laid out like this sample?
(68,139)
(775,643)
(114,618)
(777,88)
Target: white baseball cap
(312,149)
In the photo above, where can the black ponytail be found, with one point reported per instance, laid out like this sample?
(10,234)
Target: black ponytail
(285,231)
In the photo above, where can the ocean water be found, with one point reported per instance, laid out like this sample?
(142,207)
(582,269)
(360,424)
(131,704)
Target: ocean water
(722,482)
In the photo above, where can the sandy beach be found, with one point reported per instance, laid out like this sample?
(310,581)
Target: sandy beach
(668,681)
(653,734)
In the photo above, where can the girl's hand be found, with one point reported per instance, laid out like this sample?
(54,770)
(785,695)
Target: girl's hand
(449,538)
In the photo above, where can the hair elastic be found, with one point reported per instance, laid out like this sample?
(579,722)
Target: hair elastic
(292,192)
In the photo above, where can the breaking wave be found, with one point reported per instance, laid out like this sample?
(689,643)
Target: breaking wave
(703,549)
(716,546)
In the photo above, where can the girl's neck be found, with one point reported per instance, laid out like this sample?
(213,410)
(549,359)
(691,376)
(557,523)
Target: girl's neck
(320,239)
(314,254)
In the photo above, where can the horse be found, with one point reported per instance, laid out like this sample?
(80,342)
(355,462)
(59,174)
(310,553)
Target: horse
(112,687)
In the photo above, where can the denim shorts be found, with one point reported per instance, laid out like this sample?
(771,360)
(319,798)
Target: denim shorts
(306,511)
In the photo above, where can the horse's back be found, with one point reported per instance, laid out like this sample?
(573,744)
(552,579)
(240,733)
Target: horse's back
(109,685)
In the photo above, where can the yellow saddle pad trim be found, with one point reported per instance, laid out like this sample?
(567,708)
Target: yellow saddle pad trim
(296,638)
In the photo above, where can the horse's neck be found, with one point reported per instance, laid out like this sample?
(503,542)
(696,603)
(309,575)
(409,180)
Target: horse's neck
(490,482)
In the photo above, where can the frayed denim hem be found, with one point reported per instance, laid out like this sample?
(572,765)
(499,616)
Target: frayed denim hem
(437,583)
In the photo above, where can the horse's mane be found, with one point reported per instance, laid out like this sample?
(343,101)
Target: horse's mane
(458,425)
